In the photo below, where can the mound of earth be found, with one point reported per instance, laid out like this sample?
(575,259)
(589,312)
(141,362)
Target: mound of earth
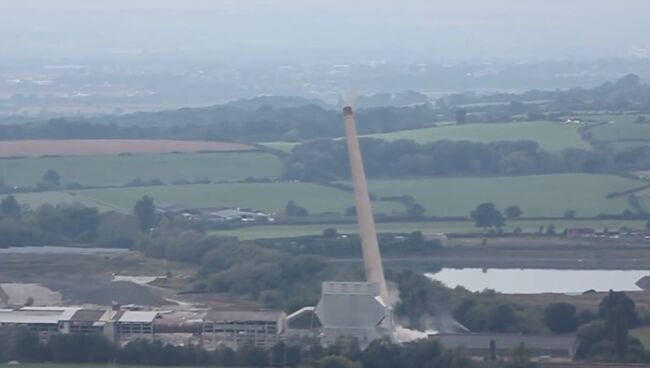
(644,283)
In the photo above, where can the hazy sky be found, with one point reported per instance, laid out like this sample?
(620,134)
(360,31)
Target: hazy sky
(301,31)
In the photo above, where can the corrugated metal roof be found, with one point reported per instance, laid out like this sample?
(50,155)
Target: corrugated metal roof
(138,316)
(35,315)
(242,316)
(112,315)
(87,315)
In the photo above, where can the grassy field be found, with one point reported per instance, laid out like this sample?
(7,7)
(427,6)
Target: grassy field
(448,227)
(81,147)
(620,130)
(550,135)
(34,200)
(108,170)
(614,118)
(643,334)
(536,195)
(271,197)
(620,133)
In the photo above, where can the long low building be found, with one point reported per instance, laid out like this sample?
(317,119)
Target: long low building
(208,328)
(237,328)
(115,325)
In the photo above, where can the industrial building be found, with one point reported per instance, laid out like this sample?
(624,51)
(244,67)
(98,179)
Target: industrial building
(117,326)
(354,311)
(237,328)
(209,329)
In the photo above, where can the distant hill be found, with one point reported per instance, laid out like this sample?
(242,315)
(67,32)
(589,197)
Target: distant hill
(276,102)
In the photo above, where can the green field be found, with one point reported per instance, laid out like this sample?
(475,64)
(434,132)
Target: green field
(643,334)
(36,199)
(620,130)
(447,227)
(119,170)
(551,136)
(621,133)
(536,195)
(628,118)
(271,197)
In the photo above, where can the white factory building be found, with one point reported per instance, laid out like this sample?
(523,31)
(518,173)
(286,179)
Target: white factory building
(117,326)
(208,328)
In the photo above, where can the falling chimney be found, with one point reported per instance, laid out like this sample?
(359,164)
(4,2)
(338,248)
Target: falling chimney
(369,243)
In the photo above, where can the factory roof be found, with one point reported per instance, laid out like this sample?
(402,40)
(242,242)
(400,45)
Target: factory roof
(87,315)
(239,316)
(37,315)
(138,316)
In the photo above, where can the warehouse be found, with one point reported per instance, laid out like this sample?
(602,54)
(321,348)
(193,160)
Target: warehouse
(237,328)
(117,326)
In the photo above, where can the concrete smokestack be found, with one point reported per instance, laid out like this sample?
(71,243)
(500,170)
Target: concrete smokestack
(369,244)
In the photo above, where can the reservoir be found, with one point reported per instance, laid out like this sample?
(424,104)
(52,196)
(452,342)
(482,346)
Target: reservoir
(532,281)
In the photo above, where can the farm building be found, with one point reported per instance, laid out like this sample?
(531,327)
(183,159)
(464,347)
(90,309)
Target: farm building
(580,232)
(539,346)
(176,209)
(214,214)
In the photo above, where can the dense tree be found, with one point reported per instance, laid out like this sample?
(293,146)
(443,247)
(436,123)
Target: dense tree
(52,177)
(51,180)
(9,207)
(486,215)
(293,209)
(415,210)
(513,212)
(550,229)
(71,221)
(569,214)
(619,313)
(561,317)
(337,362)
(503,318)
(352,211)
(145,212)
(382,354)
(461,116)
(330,233)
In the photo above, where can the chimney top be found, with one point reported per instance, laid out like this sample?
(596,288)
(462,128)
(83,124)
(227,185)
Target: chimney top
(347,110)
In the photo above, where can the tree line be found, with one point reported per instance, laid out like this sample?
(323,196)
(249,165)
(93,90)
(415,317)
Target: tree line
(259,122)
(23,346)
(326,160)
(284,274)
(225,123)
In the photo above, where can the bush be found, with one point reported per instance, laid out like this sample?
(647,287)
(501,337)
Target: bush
(561,317)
